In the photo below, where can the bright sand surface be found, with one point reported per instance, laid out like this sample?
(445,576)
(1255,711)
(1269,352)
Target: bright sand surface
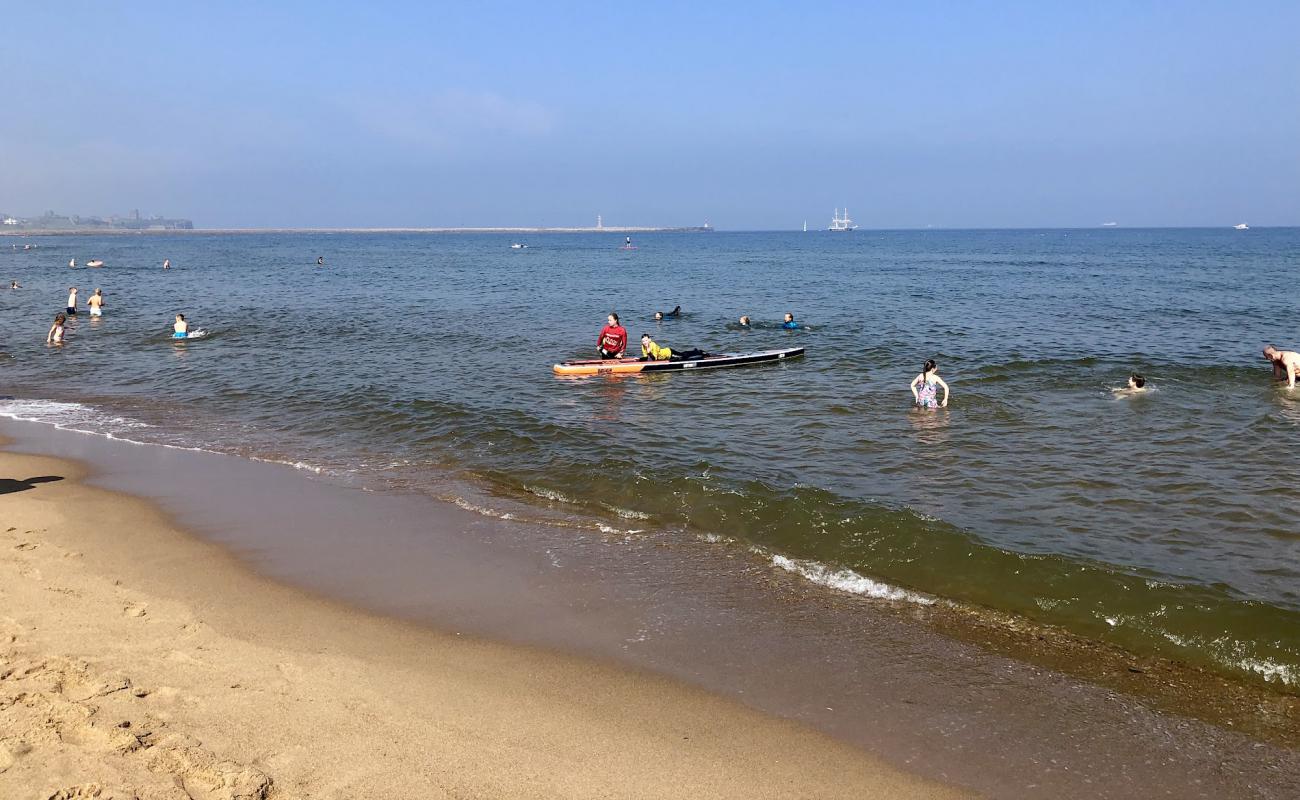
(140,660)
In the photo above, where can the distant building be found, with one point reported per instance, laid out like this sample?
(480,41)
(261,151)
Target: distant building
(10,221)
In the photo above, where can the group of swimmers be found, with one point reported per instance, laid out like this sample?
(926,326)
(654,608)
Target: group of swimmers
(95,304)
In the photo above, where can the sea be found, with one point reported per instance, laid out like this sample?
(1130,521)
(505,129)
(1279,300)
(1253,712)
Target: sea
(1165,522)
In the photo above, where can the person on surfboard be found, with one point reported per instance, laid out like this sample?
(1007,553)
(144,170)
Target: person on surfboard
(653,352)
(612,342)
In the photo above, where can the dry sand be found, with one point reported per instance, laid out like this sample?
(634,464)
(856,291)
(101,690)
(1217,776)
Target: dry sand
(139,662)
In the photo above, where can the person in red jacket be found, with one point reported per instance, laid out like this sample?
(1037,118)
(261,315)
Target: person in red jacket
(613,339)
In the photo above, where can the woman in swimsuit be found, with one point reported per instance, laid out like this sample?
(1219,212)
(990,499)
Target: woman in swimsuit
(925,387)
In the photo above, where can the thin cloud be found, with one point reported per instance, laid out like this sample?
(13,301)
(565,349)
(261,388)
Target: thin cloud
(450,120)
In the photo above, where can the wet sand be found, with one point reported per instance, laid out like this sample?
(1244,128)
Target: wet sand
(138,661)
(871,674)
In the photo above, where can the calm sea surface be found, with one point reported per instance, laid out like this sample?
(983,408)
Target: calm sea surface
(1167,522)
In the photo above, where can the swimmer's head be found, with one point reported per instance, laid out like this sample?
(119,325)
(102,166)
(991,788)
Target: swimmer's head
(1136,381)
(1270,353)
(789,317)
(744,320)
(659,315)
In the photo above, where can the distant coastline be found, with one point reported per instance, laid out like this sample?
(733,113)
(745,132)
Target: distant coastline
(186,231)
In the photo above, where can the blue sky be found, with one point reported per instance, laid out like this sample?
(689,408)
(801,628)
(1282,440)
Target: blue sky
(748,115)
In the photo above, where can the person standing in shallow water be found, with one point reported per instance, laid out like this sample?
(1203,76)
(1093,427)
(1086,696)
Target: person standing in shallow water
(1286,364)
(925,387)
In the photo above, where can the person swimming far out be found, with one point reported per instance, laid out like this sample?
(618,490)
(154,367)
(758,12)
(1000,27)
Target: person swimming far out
(653,352)
(789,323)
(1286,364)
(675,313)
(926,385)
(612,342)
(167,263)
(55,336)
(320,261)
(744,320)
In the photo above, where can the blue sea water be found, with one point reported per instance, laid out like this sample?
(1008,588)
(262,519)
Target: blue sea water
(1164,522)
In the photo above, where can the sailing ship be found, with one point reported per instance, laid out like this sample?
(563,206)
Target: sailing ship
(1242,227)
(842,224)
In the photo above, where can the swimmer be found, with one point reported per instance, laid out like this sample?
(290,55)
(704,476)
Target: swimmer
(1136,383)
(72,262)
(659,315)
(744,320)
(653,352)
(612,342)
(180,330)
(320,261)
(14,285)
(789,323)
(167,263)
(55,336)
(925,387)
(96,303)
(72,301)
(1286,364)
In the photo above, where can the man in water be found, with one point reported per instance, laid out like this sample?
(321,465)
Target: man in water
(72,301)
(320,261)
(96,303)
(612,342)
(167,263)
(789,323)
(744,321)
(14,285)
(1286,364)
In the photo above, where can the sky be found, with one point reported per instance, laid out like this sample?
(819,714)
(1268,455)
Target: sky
(749,116)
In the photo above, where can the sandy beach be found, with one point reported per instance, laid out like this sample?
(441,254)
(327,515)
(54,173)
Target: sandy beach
(138,661)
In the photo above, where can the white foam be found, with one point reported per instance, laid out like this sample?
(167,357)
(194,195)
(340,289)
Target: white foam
(1270,671)
(551,494)
(846,580)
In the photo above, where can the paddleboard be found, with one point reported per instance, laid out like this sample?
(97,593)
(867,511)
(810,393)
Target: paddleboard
(629,366)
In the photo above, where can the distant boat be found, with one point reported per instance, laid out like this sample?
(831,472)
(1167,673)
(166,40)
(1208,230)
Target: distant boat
(518,246)
(842,224)
(1109,224)
(1242,227)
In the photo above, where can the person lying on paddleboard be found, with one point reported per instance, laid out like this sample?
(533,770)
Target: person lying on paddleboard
(653,352)
(925,387)
(789,323)
(612,342)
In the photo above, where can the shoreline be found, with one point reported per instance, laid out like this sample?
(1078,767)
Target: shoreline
(921,699)
(138,658)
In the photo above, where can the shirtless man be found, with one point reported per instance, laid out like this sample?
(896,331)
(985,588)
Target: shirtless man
(96,303)
(1286,364)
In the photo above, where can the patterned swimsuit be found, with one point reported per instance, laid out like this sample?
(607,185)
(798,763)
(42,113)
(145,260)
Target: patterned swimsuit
(926,395)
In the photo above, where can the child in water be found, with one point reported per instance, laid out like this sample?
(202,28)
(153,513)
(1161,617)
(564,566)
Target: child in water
(55,336)
(1136,385)
(789,323)
(925,387)
(181,329)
